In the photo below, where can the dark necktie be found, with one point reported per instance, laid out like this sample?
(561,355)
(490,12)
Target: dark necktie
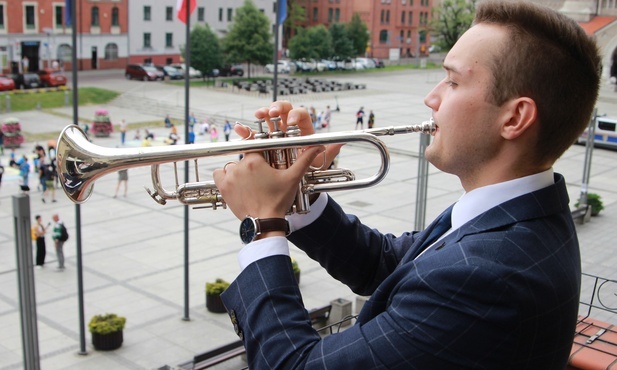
(443,224)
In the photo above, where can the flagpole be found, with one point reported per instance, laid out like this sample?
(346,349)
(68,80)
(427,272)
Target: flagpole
(276,49)
(187,64)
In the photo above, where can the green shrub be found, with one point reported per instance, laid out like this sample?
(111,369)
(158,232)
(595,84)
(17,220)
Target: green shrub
(595,201)
(295,266)
(105,324)
(217,287)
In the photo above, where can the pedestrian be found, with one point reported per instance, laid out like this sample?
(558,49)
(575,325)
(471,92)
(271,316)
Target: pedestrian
(149,135)
(192,120)
(123,128)
(205,127)
(214,134)
(191,136)
(494,282)
(25,63)
(227,130)
(59,236)
(47,181)
(168,123)
(55,65)
(123,178)
(173,135)
(1,172)
(371,119)
(24,170)
(1,142)
(360,118)
(327,117)
(39,231)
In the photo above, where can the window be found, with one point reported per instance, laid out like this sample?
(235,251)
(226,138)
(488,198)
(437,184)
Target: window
(230,13)
(94,15)
(169,40)
(30,17)
(410,18)
(58,16)
(402,36)
(403,17)
(201,14)
(115,16)
(330,14)
(147,13)
(383,36)
(382,19)
(220,14)
(147,40)
(315,14)
(2,24)
(111,51)
(169,13)
(387,16)
(337,14)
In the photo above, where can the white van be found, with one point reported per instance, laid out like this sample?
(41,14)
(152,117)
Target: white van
(605,133)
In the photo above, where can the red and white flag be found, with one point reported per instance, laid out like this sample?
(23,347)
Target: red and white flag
(181,8)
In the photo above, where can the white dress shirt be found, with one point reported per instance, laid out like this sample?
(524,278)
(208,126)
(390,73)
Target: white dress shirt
(469,206)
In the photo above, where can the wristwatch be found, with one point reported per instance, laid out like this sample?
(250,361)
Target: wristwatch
(252,227)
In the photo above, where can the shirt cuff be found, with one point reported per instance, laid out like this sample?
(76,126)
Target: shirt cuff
(297,221)
(276,245)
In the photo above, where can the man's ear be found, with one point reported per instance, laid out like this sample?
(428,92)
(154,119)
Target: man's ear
(521,117)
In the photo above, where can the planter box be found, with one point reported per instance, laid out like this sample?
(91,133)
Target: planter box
(107,342)
(214,303)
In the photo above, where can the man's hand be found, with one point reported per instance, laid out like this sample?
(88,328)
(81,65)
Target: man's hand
(252,187)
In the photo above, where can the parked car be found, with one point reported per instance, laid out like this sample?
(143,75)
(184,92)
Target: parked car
(330,64)
(6,83)
(171,72)
(366,63)
(52,78)
(378,63)
(283,66)
(142,72)
(193,73)
(231,70)
(28,80)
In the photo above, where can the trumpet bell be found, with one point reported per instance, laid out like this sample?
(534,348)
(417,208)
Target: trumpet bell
(72,170)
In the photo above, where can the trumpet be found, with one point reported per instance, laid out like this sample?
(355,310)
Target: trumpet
(80,163)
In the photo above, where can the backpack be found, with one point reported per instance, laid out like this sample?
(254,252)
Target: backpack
(64,235)
(33,233)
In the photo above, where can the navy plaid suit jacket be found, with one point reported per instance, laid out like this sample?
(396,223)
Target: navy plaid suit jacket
(501,292)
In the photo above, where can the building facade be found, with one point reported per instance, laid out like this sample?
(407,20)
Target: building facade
(398,28)
(157,36)
(37,31)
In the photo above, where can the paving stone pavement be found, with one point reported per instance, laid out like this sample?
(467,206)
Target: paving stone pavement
(133,257)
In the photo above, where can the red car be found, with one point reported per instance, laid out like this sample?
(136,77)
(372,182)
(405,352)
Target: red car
(6,83)
(52,78)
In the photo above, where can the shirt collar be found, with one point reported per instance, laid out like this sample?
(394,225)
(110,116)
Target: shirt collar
(480,200)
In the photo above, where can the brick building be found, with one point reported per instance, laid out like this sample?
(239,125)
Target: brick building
(37,30)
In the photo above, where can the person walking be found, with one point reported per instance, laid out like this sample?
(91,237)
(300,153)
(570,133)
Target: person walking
(47,181)
(371,119)
(1,142)
(24,170)
(59,236)
(1,172)
(39,232)
(227,130)
(360,118)
(123,128)
(123,178)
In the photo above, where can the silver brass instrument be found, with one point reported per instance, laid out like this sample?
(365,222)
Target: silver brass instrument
(80,163)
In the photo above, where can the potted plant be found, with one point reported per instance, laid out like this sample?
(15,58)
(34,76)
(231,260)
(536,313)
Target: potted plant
(107,331)
(296,270)
(595,202)
(213,295)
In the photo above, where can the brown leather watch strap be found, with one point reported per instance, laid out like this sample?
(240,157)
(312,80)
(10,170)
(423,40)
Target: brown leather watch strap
(272,224)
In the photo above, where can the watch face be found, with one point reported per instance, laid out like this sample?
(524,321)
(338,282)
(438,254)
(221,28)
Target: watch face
(247,230)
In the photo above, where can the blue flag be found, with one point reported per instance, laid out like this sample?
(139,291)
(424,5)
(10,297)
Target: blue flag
(282,11)
(68,12)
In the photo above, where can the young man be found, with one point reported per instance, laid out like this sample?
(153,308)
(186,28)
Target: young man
(58,242)
(499,289)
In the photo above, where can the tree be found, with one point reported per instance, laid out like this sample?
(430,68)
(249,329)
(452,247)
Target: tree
(358,34)
(451,20)
(249,38)
(311,43)
(205,50)
(342,47)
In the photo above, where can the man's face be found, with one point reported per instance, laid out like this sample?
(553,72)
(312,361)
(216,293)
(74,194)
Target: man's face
(467,136)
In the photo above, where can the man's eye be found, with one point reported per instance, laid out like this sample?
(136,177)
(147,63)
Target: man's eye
(451,83)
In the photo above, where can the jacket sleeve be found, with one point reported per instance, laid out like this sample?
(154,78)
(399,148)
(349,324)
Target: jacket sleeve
(356,255)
